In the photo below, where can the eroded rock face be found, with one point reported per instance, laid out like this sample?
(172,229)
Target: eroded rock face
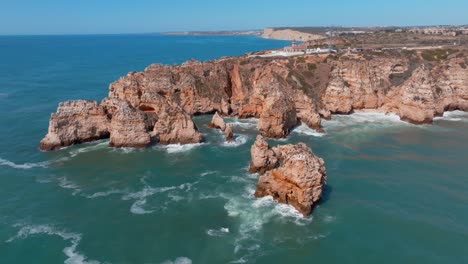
(279,91)
(298,177)
(128,127)
(228,133)
(76,122)
(176,128)
(263,157)
(278,117)
(218,122)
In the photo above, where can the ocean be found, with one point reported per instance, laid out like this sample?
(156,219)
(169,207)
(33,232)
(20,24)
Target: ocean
(396,192)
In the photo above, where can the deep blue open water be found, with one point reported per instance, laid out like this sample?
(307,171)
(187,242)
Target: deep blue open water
(396,193)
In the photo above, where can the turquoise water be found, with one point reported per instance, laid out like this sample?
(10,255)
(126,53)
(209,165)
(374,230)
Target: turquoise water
(397,193)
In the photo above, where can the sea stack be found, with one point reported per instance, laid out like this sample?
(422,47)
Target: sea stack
(291,174)
(218,123)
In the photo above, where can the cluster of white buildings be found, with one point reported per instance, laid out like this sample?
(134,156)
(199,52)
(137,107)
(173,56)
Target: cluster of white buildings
(440,30)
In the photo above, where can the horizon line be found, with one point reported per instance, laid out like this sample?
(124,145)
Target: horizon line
(230,30)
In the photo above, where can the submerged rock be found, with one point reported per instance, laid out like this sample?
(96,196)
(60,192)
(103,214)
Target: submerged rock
(291,174)
(76,122)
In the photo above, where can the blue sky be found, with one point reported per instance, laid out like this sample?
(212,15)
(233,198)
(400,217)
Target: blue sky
(140,16)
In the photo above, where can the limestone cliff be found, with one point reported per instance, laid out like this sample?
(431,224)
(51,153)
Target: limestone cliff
(282,92)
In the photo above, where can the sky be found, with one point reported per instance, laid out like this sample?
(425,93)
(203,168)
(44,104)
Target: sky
(37,17)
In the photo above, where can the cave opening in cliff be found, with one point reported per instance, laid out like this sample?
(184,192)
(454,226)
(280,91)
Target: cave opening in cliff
(146,108)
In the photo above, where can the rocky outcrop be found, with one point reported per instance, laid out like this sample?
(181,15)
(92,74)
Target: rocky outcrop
(278,116)
(76,122)
(291,174)
(414,89)
(228,133)
(263,158)
(217,122)
(176,128)
(281,92)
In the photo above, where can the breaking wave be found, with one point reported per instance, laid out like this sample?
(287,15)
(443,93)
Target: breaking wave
(454,116)
(363,118)
(24,166)
(179,148)
(74,257)
(304,129)
(247,123)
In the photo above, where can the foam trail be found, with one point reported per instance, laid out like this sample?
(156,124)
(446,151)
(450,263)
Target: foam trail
(73,256)
(92,147)
(454,116)
(24,166)
(67,184)
(140,196)
(179,148)
(246,123)
(103,194)
(238,141)
(217,232)
(304,129)
(179,260)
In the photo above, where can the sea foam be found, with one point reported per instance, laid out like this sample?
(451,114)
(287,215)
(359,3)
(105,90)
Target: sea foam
(304,129)
(217,232)
(238,141)
(24,166)
(179,260)
(454,116)
(74,257)
(179,148)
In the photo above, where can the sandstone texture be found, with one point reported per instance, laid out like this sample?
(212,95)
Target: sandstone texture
(291,174)
(76,122)
(160,101)
(228,133)
(218,122)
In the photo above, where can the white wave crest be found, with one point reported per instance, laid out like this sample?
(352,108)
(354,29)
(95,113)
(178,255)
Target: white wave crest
(217,232)
(179,260)
(363,118)
(24,166)
(238,141)
(453,116)
(304,129)
(73,256)
(179,148)
(247,123)
(88,147)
